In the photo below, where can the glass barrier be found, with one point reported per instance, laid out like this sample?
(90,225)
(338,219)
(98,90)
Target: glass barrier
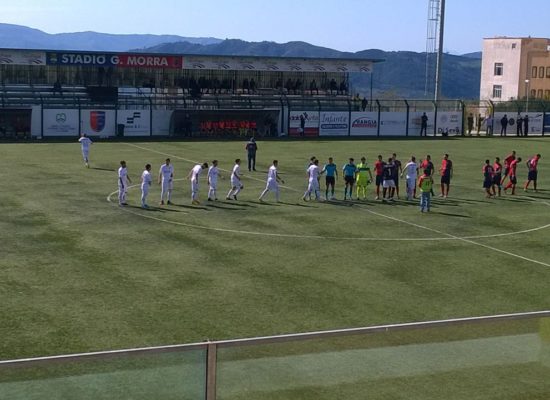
(507,359)
(161,376)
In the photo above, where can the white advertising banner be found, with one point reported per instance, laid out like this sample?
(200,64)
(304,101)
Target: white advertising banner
(535,123)
(304,123)
(161,122)
(334,124)
(364,124)
(22,57)
(415,123)
(393,123)
(449,123)
(60,122)
(136,122)
(98,122)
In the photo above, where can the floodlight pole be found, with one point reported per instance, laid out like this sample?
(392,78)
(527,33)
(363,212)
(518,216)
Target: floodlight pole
(439,61)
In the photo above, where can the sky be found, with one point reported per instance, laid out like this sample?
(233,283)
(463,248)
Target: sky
(346,25)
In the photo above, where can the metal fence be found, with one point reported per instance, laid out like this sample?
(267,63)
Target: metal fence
(503,356)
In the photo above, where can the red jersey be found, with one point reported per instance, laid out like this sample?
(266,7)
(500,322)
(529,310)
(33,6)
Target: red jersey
(379,168)
(508,160)
(446,166)
(497,167)
(532,164)
(513,167)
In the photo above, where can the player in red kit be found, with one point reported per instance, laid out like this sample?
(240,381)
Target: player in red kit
(446,172)
(532,166)
(378,171)
(512,174)
(507,161)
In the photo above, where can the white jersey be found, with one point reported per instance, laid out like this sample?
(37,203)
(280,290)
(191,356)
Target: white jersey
(236,173)
(85,142)
(313,172)
(146,179)
(122,177)
(167,172)
(213,173)
(272,173)
(195,173)
(411,170)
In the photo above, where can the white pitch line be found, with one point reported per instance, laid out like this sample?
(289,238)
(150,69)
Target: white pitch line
(460,238)
(449,236)
(198,162)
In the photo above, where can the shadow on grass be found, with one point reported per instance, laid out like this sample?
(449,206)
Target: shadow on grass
(191,207)
(265,203)
(233,207)
(450,214)
(103,169)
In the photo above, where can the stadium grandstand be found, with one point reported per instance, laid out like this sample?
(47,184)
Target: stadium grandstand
(65,93)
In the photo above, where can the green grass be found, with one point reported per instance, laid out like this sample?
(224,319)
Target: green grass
(78,273)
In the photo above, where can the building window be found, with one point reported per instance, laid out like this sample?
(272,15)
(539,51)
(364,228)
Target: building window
(541,72)
(513,45)
(498,68)
(547,95)
(497,91)
(539,94)
(533,93)
(548,72)
(534,72)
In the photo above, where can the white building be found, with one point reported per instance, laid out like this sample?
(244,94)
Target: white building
(514,68)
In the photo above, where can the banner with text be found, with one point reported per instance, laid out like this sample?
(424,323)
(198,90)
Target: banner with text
(535,122)
(60,122)
(393,123)
(364,124)
(304,123)
(115,60)
(449,123)
(136,122)
(334,123)
(98,122)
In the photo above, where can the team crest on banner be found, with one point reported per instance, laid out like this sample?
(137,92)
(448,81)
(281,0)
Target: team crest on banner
(97,120)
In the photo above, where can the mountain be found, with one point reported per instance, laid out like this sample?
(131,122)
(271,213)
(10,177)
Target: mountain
(22,37)
(476,54)
(402,75)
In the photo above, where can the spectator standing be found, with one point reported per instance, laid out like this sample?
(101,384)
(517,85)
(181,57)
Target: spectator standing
(503,125)
(526,125)
(470,124)
(519,126)
(424,124)
(251,148)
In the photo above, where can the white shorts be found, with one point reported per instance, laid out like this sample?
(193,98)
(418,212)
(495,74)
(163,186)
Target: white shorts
(389,183)
(85,153)
(236,183)
(213,185)
(194,186)
(313,185)
(272,185)
(145,189)
(411,183)
(167,184)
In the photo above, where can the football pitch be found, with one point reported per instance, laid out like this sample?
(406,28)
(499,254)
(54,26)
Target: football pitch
(78,273)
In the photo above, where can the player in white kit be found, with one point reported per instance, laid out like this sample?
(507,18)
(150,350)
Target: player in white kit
(213,174)
(411,171)
(194,177)
(236,185)
(166,177)
(123,180)
(313,181)
(85,143)
(272,182)
(146,181)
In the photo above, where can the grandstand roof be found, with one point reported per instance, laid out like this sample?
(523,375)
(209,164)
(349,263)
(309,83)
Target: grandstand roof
(183,61)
